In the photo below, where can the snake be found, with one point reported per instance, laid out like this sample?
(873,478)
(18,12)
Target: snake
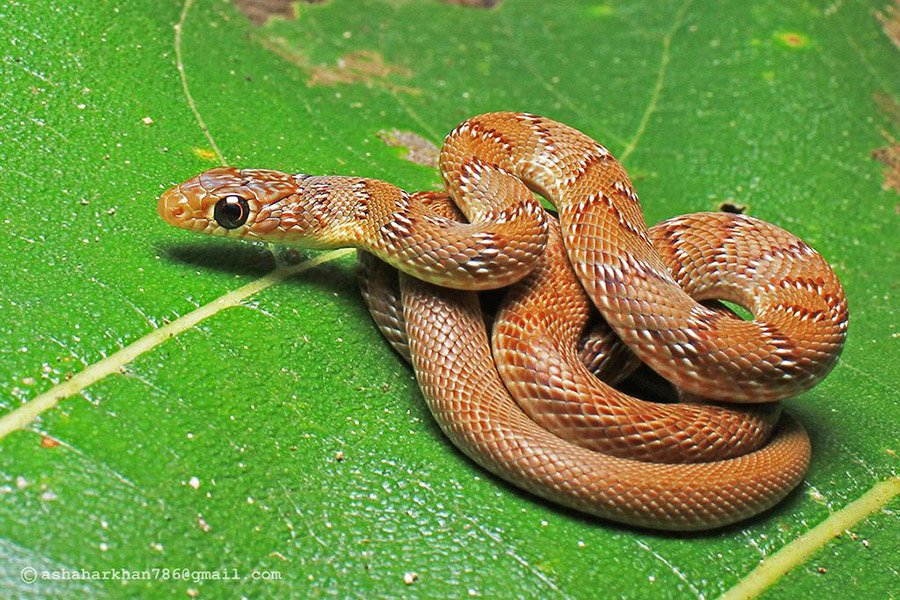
(587,292)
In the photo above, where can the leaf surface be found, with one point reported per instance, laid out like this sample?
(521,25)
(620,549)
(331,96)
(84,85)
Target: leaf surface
(278,435)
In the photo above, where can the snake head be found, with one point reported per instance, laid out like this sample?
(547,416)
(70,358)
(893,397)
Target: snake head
(315,212)
(229,202)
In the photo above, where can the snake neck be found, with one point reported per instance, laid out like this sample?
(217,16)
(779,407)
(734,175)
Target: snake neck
(325,212)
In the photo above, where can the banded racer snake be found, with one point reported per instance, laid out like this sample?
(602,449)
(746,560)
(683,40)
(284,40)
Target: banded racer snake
(520,400)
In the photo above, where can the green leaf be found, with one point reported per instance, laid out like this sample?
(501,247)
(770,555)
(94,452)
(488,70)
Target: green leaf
(272,437)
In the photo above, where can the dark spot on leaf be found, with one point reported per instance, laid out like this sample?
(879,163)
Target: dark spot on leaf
(733,208)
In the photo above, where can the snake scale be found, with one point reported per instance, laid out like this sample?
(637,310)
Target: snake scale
(521,399)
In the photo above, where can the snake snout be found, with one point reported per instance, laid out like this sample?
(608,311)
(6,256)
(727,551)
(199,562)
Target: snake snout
(168,207)
(181,205)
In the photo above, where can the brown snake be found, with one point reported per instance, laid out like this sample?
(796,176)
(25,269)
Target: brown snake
(524,405)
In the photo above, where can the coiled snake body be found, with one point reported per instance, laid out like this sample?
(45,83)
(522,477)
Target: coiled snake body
(524,405)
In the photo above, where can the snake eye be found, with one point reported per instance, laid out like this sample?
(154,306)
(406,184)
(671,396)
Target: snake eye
(231,212)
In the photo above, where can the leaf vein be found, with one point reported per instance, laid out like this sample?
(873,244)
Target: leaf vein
(658,84)
(28,412)
(773,568)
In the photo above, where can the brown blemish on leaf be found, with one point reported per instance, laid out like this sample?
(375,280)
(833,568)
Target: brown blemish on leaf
(205,154)
(474,3)
(733,207)
(260,11)
(48,442)
(888,106)
(418,149)
(793,39)
(890,22)
(365,67)
(889,155)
